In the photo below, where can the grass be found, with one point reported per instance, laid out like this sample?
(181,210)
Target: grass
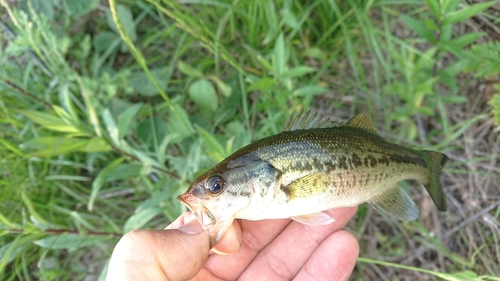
(109,110)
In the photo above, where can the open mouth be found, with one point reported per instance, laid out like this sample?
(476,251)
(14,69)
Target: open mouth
(203,215)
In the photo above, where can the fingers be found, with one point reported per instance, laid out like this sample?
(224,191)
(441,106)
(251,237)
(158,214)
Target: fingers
(286,255)
(275,249)
(230,242)
(160,255)
(255,236)
(334,259)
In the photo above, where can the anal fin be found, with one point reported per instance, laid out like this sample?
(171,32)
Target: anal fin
(397,204)
(314,219)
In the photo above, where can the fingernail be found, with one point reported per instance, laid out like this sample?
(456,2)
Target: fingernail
(192,227)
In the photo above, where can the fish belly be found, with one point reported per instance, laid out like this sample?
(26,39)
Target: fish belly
(324,190)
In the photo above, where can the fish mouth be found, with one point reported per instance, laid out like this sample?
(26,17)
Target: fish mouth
(203,215)
(214,229)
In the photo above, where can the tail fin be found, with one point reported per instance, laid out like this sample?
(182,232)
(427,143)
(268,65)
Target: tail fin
(435,162)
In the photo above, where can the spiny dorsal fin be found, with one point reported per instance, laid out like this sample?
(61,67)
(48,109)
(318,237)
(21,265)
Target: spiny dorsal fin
(362,121)
(307,121)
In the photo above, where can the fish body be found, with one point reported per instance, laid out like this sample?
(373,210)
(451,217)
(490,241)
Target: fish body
(310,167)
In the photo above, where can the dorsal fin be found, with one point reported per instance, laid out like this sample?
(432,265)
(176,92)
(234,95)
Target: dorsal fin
(362,121)
(307,121)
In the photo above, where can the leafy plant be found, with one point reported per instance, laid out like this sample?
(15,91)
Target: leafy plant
(483,60)
(421,87)
(109,112)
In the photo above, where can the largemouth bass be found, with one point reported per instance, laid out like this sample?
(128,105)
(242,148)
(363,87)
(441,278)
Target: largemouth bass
(311,166)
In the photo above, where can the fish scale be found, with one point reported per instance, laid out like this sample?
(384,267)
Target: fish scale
(310,167)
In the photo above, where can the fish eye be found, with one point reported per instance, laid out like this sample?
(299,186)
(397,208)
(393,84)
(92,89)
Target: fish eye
(215,185)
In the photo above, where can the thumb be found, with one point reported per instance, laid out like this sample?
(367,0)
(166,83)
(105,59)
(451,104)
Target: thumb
(172,254)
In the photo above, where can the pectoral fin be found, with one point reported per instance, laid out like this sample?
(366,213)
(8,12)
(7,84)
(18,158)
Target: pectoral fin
(397,204)
(308,186)
(314,219)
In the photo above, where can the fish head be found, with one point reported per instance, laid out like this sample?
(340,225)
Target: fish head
(226,192)
(212,200)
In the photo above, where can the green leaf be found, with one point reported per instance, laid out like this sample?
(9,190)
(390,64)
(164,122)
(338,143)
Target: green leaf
(425,110)
(126,117)
(435,9)
(140,218)
(430,25)
(31,209)
(465,275)
(156,200)
(202,92)
(452,48)
(127,20)
(455,99)
(103,40)
(279,55)
(143,84)
(53,146)
(466,39)
(309,91)
(152,131)
(78,7)
(482,59)
(50,121)
(100,179)
(124,171)
(262,84)
(9,223)
(111,127)
(449,5)
(9,251)
(465,13)
(189,70)
(62,114)
(90,108)
(314,52)
(67,178)
(67,241)
(179,126)
(67,103)
(296,72)
(44,7)
(420,28)
(494,102)
(448,79)
(224,88)
(97,144)
(12,147)
(41,142)
(215,149)
(264,63)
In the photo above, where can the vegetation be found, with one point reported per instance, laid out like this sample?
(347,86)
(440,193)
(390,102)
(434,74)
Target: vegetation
(110,109)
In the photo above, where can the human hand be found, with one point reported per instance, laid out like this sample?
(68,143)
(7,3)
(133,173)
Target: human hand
(250,250)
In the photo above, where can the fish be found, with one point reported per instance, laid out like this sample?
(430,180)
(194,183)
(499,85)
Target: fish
(311,166)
